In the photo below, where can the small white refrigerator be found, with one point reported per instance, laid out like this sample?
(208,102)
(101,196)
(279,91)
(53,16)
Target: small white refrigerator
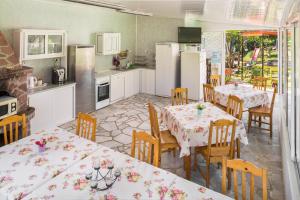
(167,74)
(193,73)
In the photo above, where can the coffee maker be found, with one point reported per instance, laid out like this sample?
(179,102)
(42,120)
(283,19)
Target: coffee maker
(58,75)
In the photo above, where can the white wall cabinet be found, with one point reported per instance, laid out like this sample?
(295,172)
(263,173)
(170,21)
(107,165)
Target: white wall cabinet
(32,44)
(132,83)
(52,107)
(148,81)
(117,90)
(108,43)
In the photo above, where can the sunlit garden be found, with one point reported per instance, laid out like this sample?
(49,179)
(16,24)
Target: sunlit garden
(250,54)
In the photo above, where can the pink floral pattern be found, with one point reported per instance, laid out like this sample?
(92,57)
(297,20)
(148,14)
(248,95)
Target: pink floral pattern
(177,194)
(80,184)
(191,129)
(252,97)
(133,176)
(25,151)
(25,168)
(142,181)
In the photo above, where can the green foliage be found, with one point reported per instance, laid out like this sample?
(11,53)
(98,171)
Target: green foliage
(256,71)
(200,106)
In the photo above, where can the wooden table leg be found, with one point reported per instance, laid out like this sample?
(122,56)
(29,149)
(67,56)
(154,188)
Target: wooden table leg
(187,166)
(238,148)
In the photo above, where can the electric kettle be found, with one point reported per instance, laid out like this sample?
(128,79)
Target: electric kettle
(31,82)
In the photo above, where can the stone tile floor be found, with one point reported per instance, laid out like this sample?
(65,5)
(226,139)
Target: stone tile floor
(116,122)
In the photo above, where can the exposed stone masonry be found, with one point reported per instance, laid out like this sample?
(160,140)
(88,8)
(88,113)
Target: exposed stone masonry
(7,55)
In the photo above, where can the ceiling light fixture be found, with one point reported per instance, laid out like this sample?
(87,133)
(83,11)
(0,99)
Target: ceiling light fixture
(99,3)
(135,12)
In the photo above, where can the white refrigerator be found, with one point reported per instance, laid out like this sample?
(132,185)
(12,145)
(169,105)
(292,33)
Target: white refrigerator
(167,74)
(193,73)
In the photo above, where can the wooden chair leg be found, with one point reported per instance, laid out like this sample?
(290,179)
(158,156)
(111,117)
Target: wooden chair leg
(159,160)
(174,152)
(271,126)
(259,124)
(207,174)
(229,179)
(249,121)
(238,148)
(187,166)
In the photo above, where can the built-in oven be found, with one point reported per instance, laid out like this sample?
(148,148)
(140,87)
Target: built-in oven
(102,92)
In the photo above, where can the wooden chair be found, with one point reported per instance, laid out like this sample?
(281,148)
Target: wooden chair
(235,107)
(208,93)
(12,123)
(179,96)
(86,126)
(142,142)
(245,168)
(260,83)
(167,142)
(264,111)
(216,150)
(215,80)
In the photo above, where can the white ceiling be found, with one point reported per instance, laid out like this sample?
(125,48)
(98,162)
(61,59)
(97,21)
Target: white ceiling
(257,12)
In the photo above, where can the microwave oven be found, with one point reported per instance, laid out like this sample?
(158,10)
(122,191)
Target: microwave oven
(8,106)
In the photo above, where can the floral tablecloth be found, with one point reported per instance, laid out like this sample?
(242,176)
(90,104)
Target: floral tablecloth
(252,97)
(138,180)
(23,168)
(191,129)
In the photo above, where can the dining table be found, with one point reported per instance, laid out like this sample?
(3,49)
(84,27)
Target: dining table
(191,129)
(252,97)
(60,172)
(138,180)
(24,168)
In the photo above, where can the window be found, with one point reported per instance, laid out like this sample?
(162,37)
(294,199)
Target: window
(291,88)
(297,93)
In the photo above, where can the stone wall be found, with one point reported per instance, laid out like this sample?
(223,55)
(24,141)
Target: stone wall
(14,81)
(7,55)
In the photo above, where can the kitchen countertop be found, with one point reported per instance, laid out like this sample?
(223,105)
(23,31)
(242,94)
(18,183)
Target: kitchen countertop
(111,72)
(49,86)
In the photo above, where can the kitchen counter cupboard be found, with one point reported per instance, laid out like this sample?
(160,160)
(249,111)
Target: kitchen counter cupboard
(53,107)
(124,84)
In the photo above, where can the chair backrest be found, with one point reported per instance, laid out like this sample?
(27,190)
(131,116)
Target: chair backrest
(155,131)
(145,146)
(208,93)
(235,106)
(215,80)
(86,126)
(273,99)
(10,126)
(220,131)
(260,83)
(179,96)
(245,168)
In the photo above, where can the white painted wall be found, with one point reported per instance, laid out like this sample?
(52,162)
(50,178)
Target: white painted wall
(151,30)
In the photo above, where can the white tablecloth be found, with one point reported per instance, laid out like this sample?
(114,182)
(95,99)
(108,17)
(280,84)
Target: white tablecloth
(252,97)
(138,181)
(23,168)
(191,129)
